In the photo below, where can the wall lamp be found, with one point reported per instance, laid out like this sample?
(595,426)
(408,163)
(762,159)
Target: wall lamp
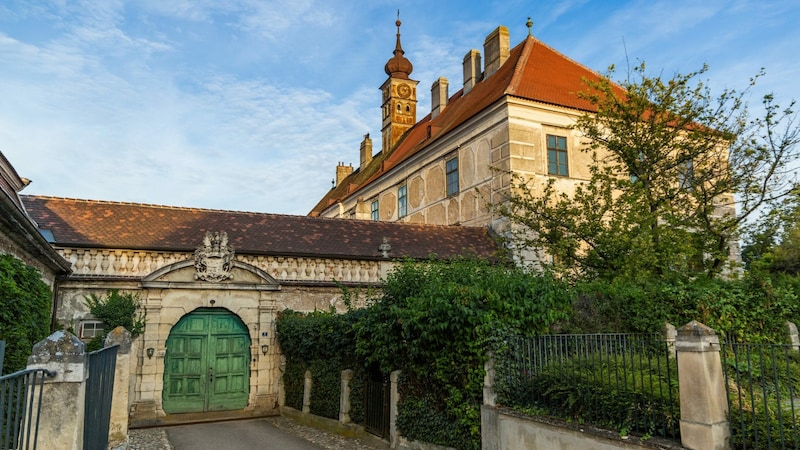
(264,349)
(150,352)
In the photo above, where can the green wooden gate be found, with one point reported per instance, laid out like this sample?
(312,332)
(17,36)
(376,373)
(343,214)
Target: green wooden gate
(207,364)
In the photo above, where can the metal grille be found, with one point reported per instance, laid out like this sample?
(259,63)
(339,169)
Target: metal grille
(99,391)
(20,406)
(763,384)
(376,408)
(619,381)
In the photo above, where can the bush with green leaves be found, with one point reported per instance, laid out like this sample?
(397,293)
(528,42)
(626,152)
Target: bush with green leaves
(436,321)
(754,308)
(25,306)
(116,309)
(322,342)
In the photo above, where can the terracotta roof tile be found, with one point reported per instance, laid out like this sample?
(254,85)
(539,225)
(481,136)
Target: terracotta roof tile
(533,71)
(90,223)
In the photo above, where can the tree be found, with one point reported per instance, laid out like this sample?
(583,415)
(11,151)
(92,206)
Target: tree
(675,174)
(773,244)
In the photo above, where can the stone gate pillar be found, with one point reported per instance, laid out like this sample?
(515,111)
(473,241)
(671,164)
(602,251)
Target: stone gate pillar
(118,426)
(61,417)
(704,404)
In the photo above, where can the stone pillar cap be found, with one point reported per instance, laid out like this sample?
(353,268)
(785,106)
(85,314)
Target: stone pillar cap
(61,346)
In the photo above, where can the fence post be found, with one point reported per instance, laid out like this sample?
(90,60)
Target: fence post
(670,333)
(307,385)
(704,405)
(2,354)
(61,419)
(394,397)
(794,337)
(344,397)
(490,439)
(118,427)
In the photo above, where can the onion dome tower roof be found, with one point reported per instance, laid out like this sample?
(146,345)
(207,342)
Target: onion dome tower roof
(398,66)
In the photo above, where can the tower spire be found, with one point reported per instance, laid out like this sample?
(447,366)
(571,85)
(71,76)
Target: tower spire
(398,66)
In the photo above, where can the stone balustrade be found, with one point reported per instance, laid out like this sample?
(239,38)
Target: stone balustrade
(137,264)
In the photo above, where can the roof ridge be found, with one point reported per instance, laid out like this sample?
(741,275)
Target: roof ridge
(519,68)
(149,205)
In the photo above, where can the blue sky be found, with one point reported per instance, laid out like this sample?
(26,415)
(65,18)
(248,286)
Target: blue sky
(250,104)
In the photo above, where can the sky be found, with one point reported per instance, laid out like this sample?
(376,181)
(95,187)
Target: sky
(250,104)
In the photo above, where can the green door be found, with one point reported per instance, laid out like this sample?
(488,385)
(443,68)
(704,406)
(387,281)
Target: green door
(207,364)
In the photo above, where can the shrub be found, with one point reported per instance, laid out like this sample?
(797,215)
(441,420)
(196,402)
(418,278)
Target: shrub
(25,306)
(114,310)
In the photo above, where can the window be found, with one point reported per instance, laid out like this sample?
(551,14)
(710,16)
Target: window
(686,174)
(557,155)
(374,210)
(402,201)
(91,329)
(451,168)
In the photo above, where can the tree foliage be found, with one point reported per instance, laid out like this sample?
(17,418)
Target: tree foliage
(25,306)
(675,173)
(437,320)
(116,309)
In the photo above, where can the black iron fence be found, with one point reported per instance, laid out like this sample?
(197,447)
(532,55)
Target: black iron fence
(99,391)
(763,385)
(20,407)
(625,382)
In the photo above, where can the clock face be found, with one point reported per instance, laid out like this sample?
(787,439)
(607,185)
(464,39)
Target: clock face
(403,90)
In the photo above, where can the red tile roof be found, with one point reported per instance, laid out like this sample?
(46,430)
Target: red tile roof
(101,224)
(533,71)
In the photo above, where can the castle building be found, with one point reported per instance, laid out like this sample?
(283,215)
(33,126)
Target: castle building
(512,114)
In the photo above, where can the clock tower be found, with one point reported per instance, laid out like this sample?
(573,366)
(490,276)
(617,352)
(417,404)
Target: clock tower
(399,105)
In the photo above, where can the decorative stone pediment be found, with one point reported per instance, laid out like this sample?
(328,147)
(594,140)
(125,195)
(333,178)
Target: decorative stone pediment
(213,259)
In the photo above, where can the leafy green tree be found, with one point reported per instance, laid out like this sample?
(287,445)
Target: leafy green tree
(116,309)
(773,244)
(436,321)
(675,173)
(25,306)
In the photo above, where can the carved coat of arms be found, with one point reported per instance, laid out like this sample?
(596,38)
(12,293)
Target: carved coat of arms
(214,259)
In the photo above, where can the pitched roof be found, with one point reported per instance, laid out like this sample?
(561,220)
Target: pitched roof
(101,224)
(533,71)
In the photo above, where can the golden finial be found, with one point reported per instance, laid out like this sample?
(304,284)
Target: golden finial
(529,24)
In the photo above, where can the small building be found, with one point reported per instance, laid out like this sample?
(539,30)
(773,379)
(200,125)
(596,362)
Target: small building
(212,283)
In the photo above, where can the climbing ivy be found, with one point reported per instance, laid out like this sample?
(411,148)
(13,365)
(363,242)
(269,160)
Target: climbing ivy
(25,306)
(116,309)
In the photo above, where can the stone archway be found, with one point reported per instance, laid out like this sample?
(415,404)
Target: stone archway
(207,363)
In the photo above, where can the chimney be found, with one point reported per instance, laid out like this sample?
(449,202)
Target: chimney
(472,69)
(439,96)
(366,151)
(496,49)
(342,172)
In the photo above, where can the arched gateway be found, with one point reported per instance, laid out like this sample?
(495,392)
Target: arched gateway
(207,363)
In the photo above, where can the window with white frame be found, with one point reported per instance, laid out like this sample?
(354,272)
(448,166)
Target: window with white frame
(91,329)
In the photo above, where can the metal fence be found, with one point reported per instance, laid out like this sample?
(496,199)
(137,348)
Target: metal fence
(2,354)
(763,385)
(20,407)
(625,382)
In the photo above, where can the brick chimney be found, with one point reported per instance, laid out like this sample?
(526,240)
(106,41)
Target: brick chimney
(366,151)
(496,49)
(439,96)
(342,172)
(472,69)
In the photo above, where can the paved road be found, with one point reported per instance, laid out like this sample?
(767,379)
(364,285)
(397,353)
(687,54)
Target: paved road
(255,434)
